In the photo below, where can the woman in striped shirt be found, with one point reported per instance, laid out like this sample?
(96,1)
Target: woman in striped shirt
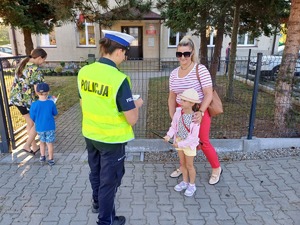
(183,78)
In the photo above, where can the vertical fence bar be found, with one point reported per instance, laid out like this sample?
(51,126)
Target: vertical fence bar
(4,147)
(248,62)
(254,96)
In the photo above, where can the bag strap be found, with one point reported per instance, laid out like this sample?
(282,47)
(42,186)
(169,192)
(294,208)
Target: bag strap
(198,77)
(197,74)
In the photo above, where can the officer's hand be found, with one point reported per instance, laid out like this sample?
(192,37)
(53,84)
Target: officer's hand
(139,102)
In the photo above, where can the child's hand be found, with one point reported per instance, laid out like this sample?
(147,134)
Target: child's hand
(167,138)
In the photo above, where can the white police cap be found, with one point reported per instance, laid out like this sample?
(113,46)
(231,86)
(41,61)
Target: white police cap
(121,38)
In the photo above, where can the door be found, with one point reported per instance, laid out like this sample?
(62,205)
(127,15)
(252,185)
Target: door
(136,47)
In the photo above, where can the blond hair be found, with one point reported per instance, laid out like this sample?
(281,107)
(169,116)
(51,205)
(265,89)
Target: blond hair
(188,41)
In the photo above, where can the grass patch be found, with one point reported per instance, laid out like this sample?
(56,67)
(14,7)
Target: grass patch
(66,86)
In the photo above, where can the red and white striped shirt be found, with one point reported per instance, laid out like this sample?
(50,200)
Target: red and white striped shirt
(178,85)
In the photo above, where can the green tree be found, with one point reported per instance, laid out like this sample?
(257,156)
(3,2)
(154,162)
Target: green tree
(103,12)
(40,16)
(228,17)
(31,16)
(256,18)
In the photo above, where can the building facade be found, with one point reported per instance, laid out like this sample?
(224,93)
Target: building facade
(73,42)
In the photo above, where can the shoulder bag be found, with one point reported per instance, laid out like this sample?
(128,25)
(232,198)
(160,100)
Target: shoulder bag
(215,107)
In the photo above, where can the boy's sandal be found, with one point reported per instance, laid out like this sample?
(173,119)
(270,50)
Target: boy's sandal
(176,173)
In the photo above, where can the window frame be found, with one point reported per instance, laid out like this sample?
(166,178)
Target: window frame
(212,37)
(246,40)
(177,38)
(86,32)
(47,37)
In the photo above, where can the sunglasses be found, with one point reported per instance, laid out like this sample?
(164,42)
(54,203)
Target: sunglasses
(185,54)
(126,49)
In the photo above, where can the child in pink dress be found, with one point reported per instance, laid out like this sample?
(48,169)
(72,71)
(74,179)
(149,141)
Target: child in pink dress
(185,133)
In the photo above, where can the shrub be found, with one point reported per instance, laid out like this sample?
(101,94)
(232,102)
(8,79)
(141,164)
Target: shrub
(58,69)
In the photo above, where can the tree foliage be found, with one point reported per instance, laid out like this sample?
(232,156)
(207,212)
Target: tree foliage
(31,16)
(27,14)
(104,12)
(201,17)
(40,16)
(254,17)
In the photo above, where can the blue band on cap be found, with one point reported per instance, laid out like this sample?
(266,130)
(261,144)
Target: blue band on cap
(117,39)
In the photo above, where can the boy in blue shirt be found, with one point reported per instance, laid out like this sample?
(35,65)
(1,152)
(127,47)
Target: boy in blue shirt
(42,113)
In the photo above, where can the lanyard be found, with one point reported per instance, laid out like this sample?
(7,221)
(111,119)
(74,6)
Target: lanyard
(184,122)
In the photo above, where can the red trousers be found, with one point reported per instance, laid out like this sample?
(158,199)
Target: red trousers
(207,148)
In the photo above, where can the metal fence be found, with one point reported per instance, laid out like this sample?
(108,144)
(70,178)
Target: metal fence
(150,79)
(13,128)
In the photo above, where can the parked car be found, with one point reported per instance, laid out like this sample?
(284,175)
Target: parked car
(270,66)
(5,51)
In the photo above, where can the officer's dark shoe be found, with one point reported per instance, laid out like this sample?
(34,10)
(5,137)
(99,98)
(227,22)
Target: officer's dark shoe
(119,220)
(95,207)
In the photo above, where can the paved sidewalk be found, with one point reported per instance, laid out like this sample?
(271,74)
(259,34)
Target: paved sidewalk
(254,192)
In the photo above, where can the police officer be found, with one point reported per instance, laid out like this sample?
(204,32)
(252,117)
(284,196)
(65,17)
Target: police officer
(109,112)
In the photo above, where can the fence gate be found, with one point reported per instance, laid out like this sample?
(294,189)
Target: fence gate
(9,128)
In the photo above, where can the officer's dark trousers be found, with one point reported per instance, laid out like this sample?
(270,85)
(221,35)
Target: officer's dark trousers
(107,169)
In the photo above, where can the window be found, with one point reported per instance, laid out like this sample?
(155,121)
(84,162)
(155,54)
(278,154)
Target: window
(48,40)
(245,39)
(174,38)
(86,34)
(211,37)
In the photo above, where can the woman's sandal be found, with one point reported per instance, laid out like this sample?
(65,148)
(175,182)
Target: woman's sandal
(215,178)
(29,152)
(176,173)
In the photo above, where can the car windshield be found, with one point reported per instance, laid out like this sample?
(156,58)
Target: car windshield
(6,50)
(279,53)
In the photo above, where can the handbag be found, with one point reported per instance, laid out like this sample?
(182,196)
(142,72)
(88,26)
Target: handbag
(215,107)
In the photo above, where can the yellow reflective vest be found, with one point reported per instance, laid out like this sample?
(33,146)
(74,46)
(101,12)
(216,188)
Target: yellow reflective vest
(98,85)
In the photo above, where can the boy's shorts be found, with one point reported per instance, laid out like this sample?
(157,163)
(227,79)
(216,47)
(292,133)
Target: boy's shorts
(187,151)
(47,136)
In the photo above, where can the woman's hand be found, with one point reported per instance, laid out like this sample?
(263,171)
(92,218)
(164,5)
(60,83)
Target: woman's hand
(197,117)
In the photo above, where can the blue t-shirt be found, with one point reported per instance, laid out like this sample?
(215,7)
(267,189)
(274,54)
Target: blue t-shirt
(42,113)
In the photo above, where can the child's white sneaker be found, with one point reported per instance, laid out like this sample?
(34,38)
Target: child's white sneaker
(191,189)
(181,186)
